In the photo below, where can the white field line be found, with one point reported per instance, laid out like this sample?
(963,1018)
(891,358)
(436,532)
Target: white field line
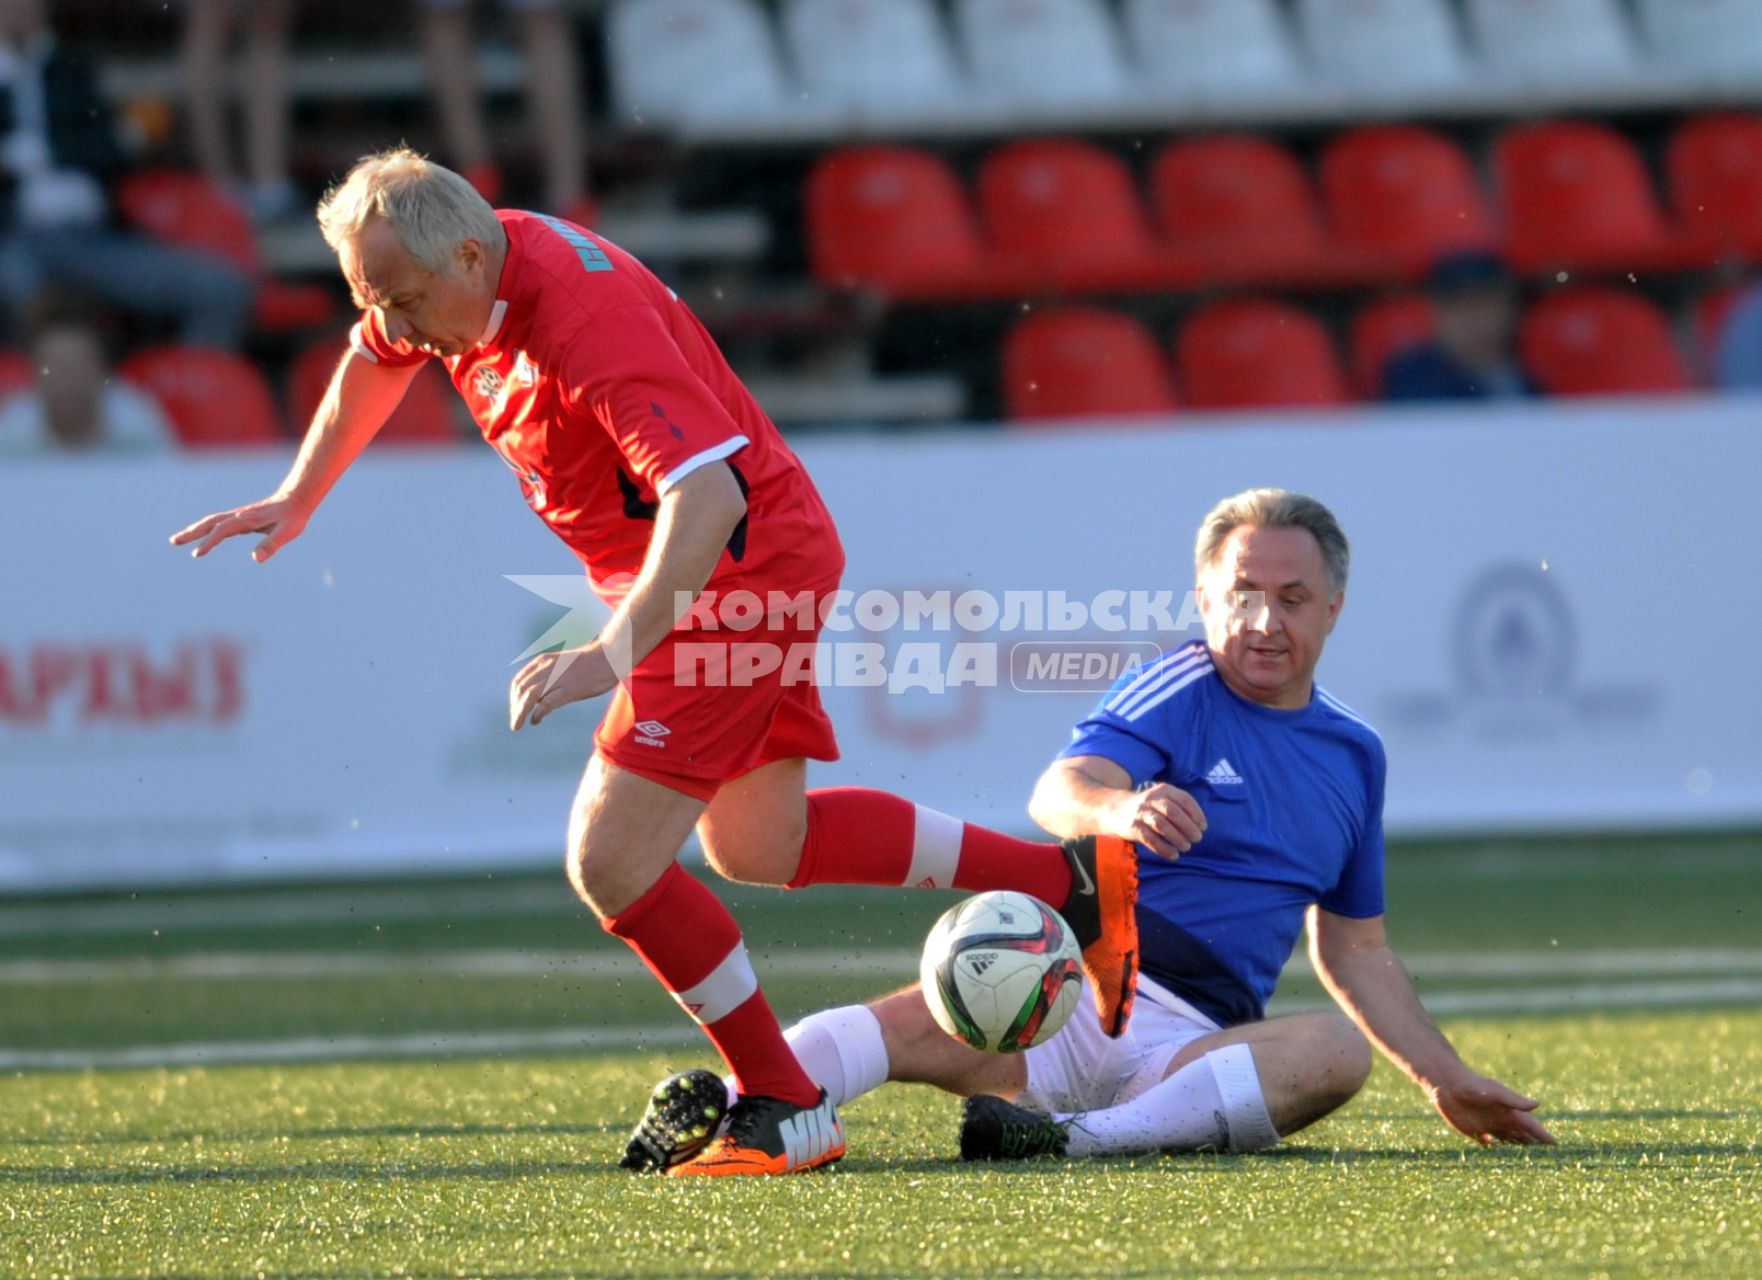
(441,1044)
(222,966)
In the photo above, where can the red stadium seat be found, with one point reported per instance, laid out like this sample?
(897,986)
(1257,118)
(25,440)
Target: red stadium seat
(186,209)
(1714,169)
(1399,197)
(894,219)
(1380,330)
(16,372)
(428,413)
(1595,340)
(213,398)
(1576,194)
(1065,211)
(1254,353)
(1079,362)
(1236,208)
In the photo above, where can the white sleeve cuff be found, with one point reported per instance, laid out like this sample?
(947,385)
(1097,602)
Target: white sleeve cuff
(715,453)
(358,344)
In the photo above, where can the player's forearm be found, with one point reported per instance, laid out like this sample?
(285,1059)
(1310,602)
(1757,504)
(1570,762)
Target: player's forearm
(1070,802)
(692,528)
(361,396)
(1372,986)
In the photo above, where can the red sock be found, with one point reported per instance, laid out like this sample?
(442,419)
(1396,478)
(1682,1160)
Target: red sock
(859,836)
(686,936)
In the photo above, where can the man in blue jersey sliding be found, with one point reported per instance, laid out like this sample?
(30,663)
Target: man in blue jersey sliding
(1255,799)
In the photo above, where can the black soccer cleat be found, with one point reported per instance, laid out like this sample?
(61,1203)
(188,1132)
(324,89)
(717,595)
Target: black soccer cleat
(683,1116)
(768,1136)
(992,1129)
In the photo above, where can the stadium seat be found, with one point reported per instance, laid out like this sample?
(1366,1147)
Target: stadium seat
(873,59)
(1713,168)
(1079,363)
(1065,212)
(1044,54)
(188,210)
(1596,340)
(1381,48)
(1254,353)
(1720,37)
(682,62)
(428,414)
(1399,196)
(1380,330)
(213,398)
(1211,49)
(16,373)
(893,219)
(1576,194)
(1237,208)
(1545,41)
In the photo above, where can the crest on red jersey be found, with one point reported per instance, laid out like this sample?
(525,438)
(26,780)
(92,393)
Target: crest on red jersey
(488,382)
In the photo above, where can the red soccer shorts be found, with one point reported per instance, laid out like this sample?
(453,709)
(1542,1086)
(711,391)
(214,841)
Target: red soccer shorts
(708,705)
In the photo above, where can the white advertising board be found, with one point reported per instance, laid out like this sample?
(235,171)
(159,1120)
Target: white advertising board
(1552,619)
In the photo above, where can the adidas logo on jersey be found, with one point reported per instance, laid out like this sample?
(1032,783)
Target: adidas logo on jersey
(808,1135)
(1223,775)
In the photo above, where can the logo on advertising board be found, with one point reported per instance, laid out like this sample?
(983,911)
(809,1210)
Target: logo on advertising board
(58,686)
(1514,654)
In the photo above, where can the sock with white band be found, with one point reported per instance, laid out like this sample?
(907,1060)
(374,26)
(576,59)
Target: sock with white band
(842,1050)
(1214,1103)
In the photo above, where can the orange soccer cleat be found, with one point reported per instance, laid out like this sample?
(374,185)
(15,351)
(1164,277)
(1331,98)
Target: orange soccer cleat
(1102,912)
(770,1136)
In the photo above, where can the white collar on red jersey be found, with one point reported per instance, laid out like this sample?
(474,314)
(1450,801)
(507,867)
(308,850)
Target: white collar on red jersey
(497,314)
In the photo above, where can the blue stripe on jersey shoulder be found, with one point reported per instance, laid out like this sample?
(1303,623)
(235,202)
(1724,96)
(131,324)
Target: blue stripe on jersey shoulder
(593,258)
(1162,681)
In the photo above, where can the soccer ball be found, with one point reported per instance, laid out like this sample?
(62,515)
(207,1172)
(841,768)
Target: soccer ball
(1001,972)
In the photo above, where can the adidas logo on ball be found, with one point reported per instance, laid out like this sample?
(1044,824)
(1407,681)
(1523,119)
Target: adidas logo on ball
(981,961)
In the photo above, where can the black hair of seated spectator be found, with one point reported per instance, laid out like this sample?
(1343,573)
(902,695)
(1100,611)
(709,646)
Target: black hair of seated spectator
(1466,271)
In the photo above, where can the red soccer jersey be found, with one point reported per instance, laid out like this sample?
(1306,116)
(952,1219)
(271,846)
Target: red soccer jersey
(602,391)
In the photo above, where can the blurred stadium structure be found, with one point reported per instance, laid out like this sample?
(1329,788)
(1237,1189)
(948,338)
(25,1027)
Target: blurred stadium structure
(1187,233)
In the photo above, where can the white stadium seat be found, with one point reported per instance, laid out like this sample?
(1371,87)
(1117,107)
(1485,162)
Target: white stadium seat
(1043,52)
(1211,48)
(1377,47)
(694,61)
(1716,36)
(1544,40)
(874,59)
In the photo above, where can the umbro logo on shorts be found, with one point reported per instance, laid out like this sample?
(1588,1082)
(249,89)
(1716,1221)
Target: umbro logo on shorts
(1223,775)
(651,732)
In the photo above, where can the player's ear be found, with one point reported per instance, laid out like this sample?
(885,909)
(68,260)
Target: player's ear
(1334,607)
(470,256)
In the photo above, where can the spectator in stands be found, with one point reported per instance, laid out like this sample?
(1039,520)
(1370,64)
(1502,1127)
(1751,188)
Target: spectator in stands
(76,404)
(263,184)
(57,151)
(1739,358)
(553,96)
(1472,353)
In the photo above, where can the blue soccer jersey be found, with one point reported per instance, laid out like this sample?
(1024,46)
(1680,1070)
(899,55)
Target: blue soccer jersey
(1294,806)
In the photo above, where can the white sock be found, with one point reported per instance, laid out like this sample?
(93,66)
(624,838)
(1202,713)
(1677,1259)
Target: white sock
(842,1051)
(1215,1102)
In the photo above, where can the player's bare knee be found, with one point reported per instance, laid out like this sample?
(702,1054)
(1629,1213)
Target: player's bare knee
(1346,1055)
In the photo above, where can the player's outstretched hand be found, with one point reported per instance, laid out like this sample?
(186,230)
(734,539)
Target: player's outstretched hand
(1162,818)
(554,680)
(278,519)
(1485,1110)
